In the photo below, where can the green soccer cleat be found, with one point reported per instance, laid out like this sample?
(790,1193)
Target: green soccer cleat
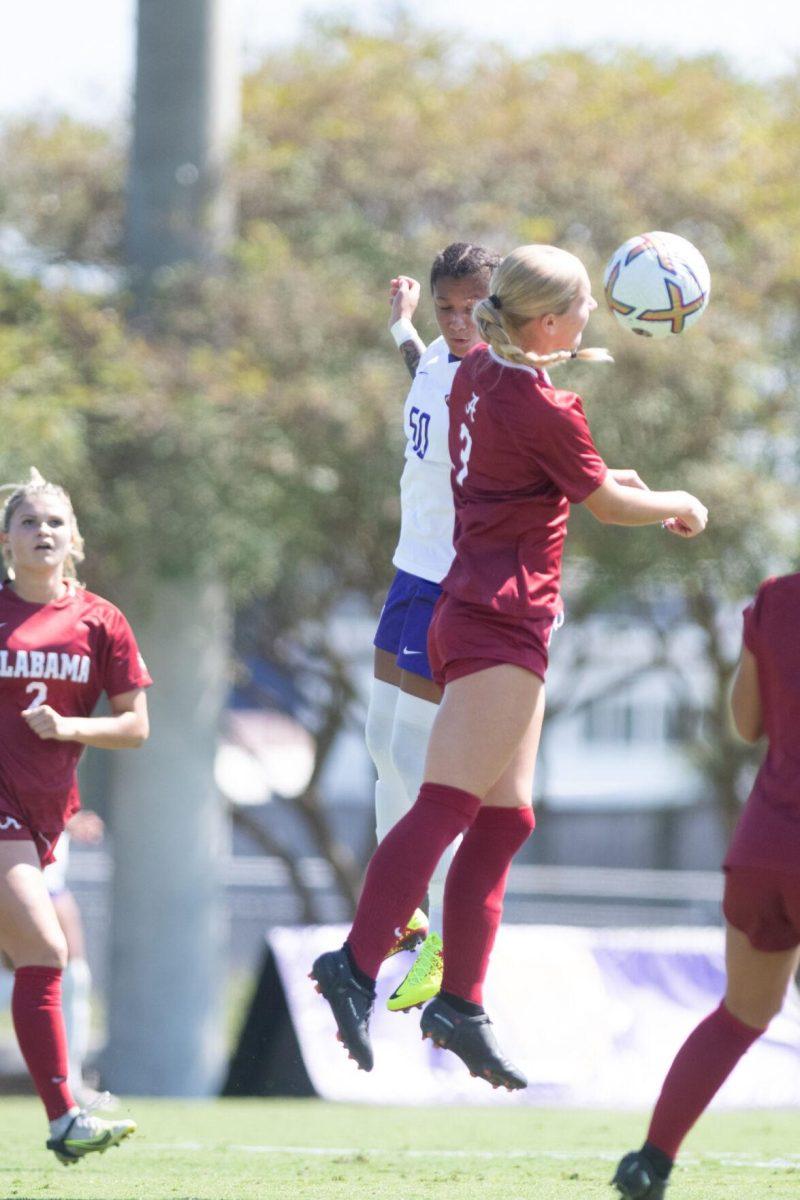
(409,936)
(86,1134)
(424,979)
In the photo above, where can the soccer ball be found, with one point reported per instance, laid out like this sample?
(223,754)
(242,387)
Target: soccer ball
(657,284)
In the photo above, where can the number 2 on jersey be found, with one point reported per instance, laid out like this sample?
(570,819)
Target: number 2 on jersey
(40,693)
(465,437)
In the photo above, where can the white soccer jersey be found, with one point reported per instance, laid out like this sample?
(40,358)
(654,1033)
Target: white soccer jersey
(425,547)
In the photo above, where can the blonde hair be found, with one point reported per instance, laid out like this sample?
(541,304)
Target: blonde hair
(36,485)
(530,282)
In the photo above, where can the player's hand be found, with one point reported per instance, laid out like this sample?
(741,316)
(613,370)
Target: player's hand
(628,478)
(404,293)
(86,826)
(49,725)
(690,521)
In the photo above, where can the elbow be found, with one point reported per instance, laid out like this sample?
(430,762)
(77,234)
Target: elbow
(140,736)
(601,514)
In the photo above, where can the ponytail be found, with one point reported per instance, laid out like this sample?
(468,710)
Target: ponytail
(530,282)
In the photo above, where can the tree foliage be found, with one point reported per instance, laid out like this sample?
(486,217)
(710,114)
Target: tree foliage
(252,426)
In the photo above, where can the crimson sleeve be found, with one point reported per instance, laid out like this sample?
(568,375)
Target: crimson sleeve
(564,449)
(754,616)
(124,669)
(748,627)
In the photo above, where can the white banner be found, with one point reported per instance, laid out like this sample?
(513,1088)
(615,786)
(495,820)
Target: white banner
(594,1017)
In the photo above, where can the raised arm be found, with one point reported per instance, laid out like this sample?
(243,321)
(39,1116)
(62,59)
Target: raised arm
(622,499)
(746,698)
(404,293)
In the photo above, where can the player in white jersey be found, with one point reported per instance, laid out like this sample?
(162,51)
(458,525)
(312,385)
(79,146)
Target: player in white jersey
(404,697)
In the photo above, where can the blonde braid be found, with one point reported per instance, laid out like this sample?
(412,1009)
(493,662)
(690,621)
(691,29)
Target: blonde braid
(530,282)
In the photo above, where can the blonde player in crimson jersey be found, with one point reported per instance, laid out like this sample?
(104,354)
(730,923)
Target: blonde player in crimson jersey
(762,890)
(521,452)
(404,697)
(61,647)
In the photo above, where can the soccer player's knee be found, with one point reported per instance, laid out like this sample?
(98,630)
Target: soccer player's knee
(56,953)
(41,951)
(53,951)
(402,755)
(409,748)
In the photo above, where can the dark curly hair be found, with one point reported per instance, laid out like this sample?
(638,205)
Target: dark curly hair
(459,260)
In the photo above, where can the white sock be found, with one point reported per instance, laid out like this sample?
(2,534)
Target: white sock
(391,801)
(76,1004)
(413,722)
(390,806)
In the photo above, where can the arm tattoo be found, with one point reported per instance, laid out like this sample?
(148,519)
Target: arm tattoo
(412,353)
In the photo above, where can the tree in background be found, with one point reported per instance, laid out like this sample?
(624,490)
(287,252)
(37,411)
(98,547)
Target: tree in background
(260,413)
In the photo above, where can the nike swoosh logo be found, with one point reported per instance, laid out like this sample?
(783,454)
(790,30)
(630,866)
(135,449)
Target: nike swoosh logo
(410,652)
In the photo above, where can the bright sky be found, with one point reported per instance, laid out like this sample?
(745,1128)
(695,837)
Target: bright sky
(78,54)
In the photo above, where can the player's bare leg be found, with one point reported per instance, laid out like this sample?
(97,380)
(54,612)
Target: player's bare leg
(456,1019)
(31,937)
(757,982)
(486,716)
(756,989)
(486,723)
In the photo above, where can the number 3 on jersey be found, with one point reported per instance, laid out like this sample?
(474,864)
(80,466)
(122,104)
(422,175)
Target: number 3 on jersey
(465,437)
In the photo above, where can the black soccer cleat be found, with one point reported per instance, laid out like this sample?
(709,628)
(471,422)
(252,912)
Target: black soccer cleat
(473,1041)
(636,1178)
(351,1004)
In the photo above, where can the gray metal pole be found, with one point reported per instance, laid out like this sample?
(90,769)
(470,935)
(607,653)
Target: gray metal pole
(167,938)
(187,114)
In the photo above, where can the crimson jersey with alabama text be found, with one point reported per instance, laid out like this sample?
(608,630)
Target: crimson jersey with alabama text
(521,451)
(64,654)
(768,832)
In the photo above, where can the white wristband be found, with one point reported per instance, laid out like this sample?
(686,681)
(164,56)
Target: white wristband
(403,331)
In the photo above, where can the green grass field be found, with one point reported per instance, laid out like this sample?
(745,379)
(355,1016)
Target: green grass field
(243,1150)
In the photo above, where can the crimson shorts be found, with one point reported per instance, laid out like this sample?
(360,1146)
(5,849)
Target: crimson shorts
(763,903)
(464,638)
(12,830)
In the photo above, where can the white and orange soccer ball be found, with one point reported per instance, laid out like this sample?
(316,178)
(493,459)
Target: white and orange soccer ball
(657,284)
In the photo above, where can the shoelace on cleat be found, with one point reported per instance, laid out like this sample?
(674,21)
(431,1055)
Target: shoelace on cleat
(91,1124)
(423,963)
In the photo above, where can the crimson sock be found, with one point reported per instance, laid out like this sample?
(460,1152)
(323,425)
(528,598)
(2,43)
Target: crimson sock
(400,869)
(701,1066)
(473,896)
(39,1026)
